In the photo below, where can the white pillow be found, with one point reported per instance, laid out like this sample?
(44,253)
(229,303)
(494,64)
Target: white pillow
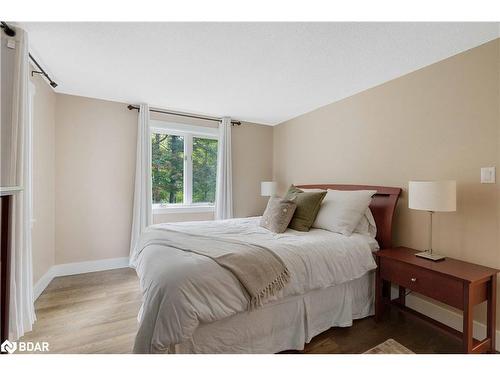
(312,190)
(367,225)
(341,211)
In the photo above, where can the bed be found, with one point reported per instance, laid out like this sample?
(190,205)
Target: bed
(193,305)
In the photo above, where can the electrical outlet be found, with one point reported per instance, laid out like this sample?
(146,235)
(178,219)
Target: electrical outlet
(488,175)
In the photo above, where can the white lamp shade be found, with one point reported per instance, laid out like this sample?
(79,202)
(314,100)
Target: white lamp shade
(268,188)
(437,196)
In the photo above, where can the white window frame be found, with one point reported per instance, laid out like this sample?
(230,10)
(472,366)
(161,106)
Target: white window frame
(188,132)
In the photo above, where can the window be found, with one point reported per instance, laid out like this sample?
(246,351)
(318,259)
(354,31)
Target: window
(183,167)
(204,169)
(167,168)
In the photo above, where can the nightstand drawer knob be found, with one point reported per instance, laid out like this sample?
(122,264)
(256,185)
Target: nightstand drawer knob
(413,279)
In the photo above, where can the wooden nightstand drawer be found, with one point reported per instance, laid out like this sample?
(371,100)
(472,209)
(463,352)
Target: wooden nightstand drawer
(423,281)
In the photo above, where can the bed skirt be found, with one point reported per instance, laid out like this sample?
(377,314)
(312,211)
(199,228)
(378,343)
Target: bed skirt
(285,324)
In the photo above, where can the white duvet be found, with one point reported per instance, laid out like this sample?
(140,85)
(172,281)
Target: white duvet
(182,290)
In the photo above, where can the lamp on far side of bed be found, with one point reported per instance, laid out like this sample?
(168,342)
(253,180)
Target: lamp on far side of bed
(432,196)
(268,188)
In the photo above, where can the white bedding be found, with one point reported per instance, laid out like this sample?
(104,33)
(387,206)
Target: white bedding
(183,290)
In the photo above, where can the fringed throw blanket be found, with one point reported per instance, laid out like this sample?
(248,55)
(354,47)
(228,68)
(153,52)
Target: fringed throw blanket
(261,272)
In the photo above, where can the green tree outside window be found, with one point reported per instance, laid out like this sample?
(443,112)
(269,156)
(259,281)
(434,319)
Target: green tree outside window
(167,168)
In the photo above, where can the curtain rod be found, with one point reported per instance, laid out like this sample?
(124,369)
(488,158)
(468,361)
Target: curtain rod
(42,72)
(183,114)
(9,31)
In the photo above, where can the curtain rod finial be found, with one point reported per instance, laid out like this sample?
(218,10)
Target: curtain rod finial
(7,29)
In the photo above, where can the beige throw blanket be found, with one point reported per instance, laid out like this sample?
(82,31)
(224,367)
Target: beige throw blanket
(261,272)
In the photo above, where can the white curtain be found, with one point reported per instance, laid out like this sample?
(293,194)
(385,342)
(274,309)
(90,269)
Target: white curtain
(224,186)
(142,214)
(22,309)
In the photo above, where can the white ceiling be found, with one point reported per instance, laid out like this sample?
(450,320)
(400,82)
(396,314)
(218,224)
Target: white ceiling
(260,72)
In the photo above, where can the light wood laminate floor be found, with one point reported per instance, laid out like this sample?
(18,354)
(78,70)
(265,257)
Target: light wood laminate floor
(97,313)
(89,313)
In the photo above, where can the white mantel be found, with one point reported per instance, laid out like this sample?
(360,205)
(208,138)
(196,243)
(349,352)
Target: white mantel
(10,190)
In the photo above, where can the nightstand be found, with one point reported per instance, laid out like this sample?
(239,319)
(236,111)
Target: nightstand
(450,281)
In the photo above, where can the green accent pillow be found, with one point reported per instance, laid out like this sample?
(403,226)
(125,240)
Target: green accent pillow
(308,205)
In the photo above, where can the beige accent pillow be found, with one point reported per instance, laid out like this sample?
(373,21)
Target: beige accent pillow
(278,214)
(308,205)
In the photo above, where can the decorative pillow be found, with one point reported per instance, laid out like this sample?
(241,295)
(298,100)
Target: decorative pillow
(277,215)
(341,210)
(308,205)
(367,225)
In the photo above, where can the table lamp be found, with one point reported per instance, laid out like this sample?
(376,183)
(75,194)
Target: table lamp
(268,188)
(432,196)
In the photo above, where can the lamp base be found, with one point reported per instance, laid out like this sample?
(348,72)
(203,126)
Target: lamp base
(430,256)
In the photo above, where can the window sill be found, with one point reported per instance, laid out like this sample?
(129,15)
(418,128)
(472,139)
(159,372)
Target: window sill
(174,209)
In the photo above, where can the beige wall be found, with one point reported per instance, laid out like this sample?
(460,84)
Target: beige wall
(184,216)
(252,147)
(43,230)
(95,163)
(95,167)
(440,122)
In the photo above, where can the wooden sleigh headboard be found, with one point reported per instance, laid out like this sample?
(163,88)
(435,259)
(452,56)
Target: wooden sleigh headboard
(383,206)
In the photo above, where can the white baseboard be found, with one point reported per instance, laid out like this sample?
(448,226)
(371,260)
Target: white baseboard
(445,316)
(90,266)
(75,269)
(43,283)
